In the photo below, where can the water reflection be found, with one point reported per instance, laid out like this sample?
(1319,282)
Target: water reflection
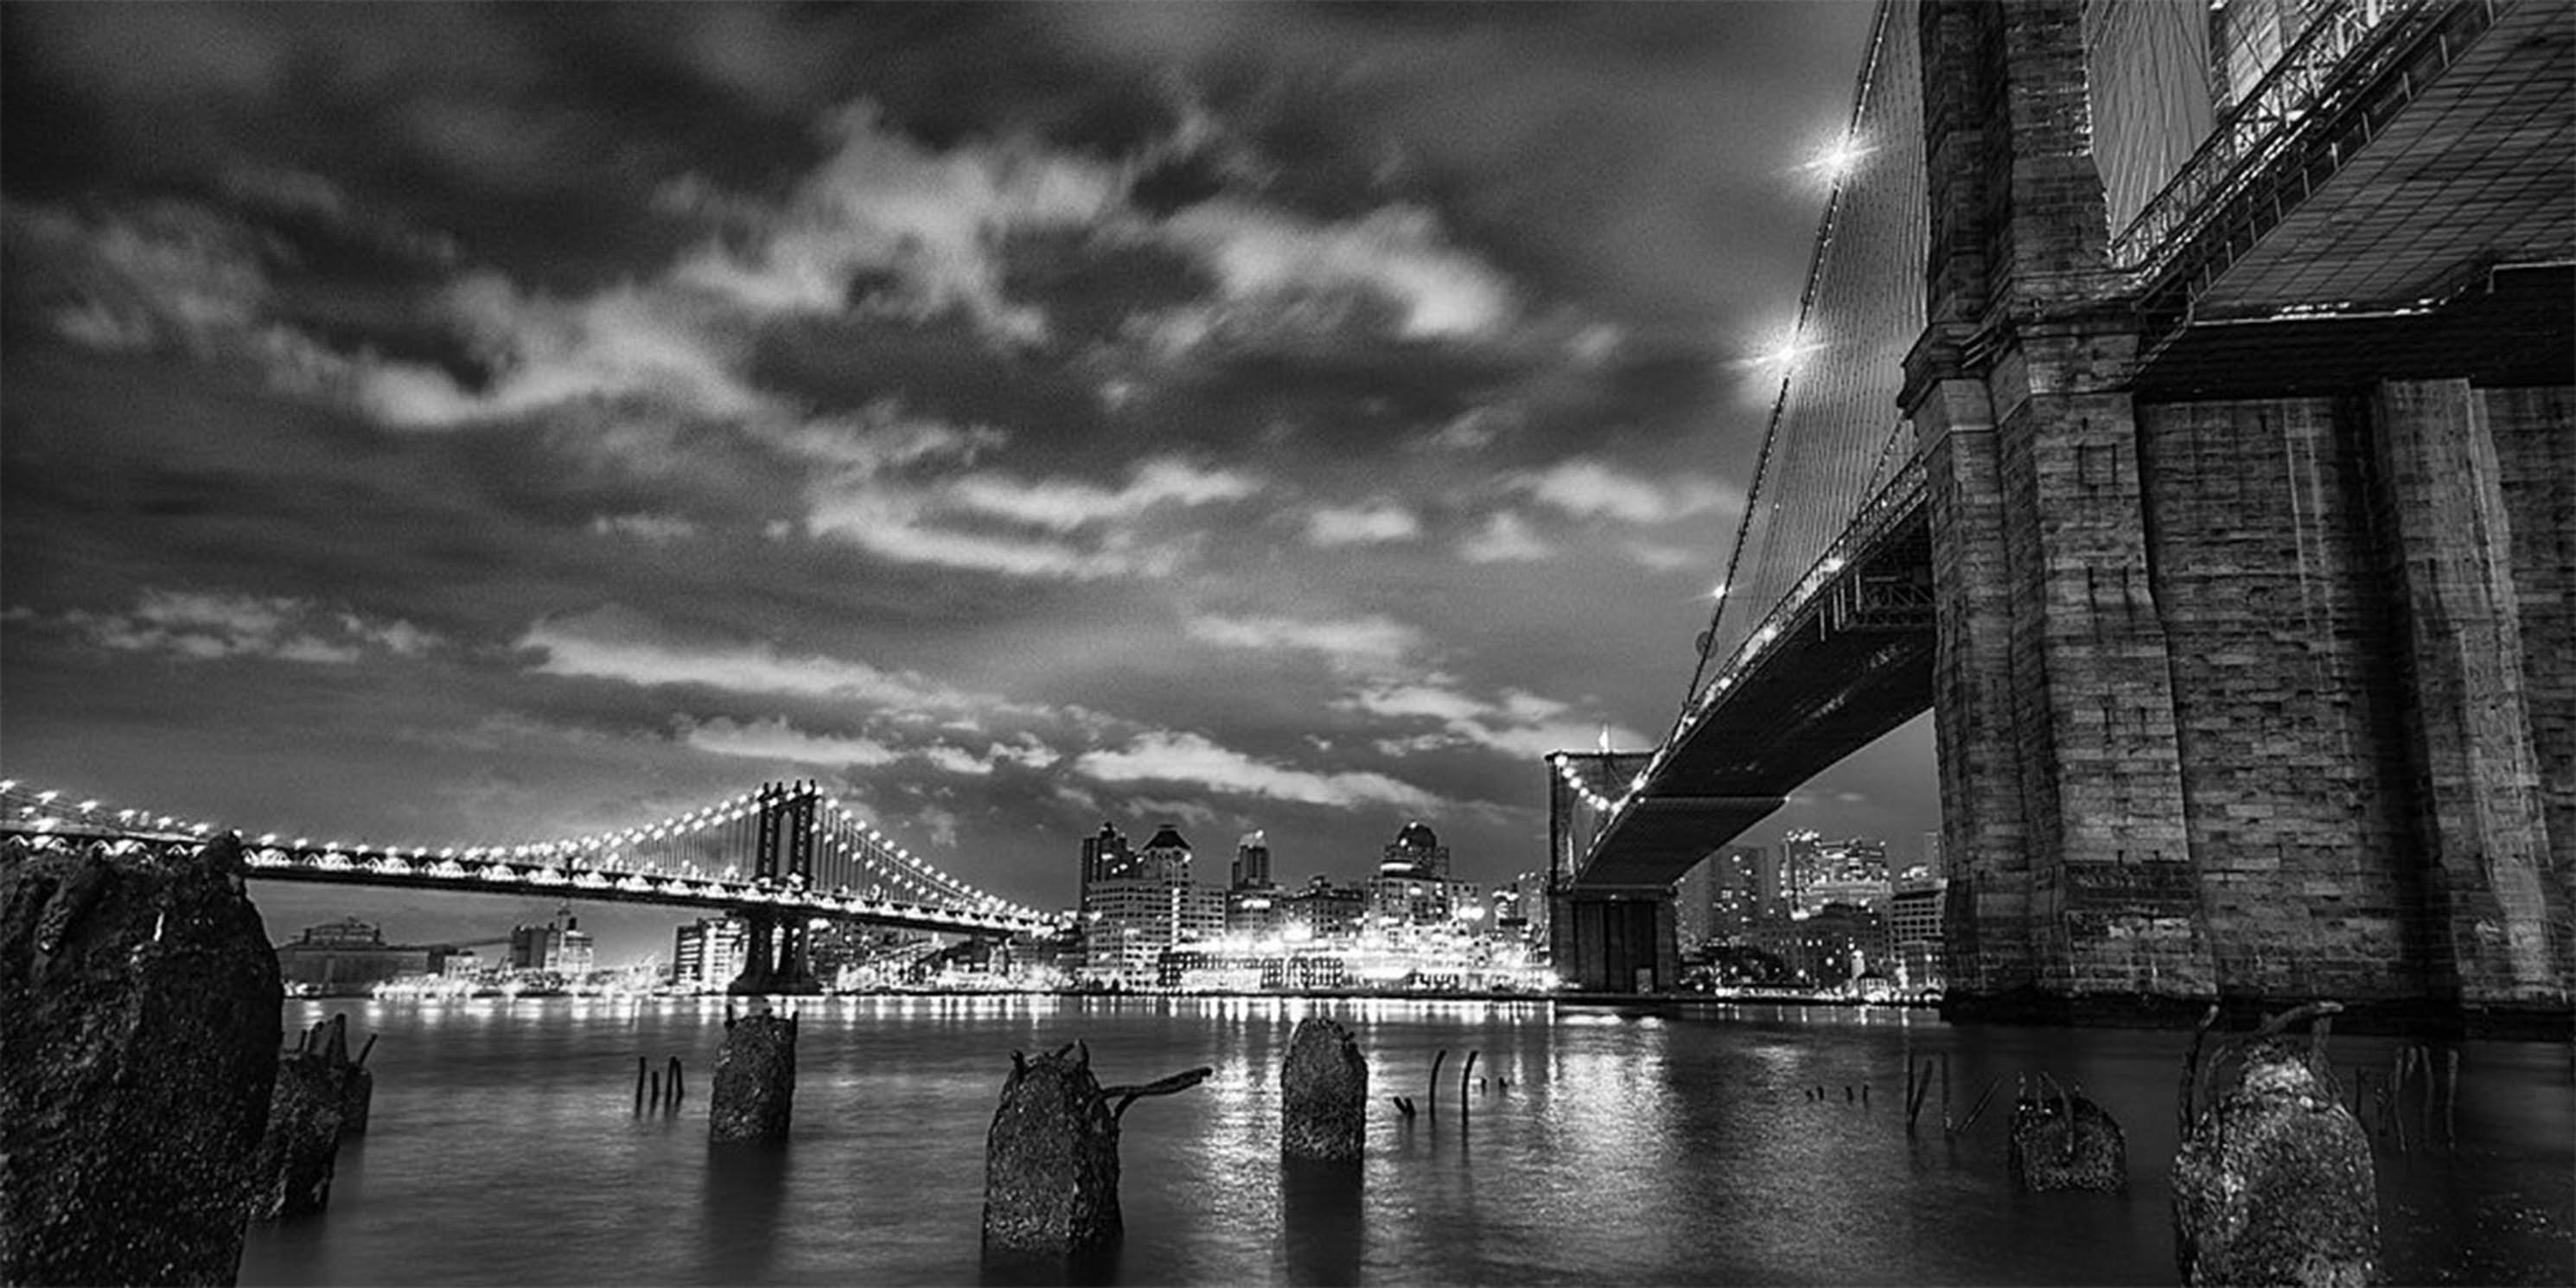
(1623,1151)
(743,1191)
(1322,1226)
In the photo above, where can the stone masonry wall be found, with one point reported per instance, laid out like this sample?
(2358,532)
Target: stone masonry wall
(2477,771)
(2286,698)
(2535,443)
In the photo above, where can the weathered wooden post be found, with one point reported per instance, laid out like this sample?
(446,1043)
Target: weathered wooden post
(358,1098)
(2272,1182)
(291,1174)
(2063,1141)
(755,1080)
(1051,1158)
(139,1029)
(1323,1093)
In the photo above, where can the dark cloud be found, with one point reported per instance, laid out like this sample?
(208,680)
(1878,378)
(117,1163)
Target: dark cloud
(440,422)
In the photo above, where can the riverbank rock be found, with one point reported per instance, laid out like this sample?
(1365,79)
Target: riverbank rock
(2063,1141)
(1323,1094)
(755,1092)
(2272,1183)
(139,1027)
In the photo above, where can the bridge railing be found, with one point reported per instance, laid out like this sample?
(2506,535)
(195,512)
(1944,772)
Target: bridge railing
(2346,37)
(1884,509)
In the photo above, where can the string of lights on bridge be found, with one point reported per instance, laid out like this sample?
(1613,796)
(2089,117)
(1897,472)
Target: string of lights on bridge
(842,834)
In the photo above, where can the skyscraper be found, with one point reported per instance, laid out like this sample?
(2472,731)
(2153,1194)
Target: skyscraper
(1252,861)
(1416,852)
(1166,857)
(1105,857)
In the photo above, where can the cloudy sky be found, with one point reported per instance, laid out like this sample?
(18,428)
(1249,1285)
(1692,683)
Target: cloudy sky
(444,424)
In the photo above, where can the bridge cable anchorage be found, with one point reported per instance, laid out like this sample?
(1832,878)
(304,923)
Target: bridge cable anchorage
(1833,442)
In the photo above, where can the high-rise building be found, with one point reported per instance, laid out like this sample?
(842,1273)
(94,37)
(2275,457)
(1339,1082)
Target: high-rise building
(1252,862)
(1135,906)
(1801,865)
(1747,884)
(708,953)
(1416,853)
(1695,904)
(1166,857)
(1105,856)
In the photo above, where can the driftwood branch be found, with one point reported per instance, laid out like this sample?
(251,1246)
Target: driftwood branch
(1127,1093)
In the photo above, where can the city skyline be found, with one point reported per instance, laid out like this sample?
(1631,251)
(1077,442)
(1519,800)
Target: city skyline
(628,934)
(479,425)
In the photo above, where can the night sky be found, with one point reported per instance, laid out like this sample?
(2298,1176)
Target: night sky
(437,424)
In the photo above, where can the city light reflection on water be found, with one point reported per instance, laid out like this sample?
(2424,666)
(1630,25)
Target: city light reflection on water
(1601,1147)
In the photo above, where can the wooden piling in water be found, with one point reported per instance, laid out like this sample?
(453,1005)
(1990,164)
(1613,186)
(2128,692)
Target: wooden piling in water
(1435,1080)
(639,1086)
(678,1087)
(1464,1074)
(2451,1101)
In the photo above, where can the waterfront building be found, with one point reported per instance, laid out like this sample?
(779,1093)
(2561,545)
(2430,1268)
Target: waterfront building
(1136,905)
(1914,930)
(346,956)
(1257,912)
(1828,947)
(708,953)
(560,946)
(1323,910)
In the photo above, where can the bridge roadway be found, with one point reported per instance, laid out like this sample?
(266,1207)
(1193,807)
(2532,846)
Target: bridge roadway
(1843,662)
(493,874)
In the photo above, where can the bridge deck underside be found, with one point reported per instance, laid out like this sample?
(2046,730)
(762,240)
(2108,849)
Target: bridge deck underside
(2451,165)
(1819,694)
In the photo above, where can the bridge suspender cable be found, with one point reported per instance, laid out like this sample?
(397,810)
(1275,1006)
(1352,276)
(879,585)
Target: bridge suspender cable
(1727,588)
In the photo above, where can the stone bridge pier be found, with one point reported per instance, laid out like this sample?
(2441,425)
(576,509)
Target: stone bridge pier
(2255,680)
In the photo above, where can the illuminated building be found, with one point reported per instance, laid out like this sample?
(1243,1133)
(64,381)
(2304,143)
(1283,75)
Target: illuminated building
(1416,853)
(346,956)
(1150,904)
(1914,927)
(1745,890)
(708,954)
(1252,862)
(560,946)
(1105,857)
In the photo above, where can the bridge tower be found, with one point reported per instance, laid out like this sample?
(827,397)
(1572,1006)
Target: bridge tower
(1603,939)
(2237,688)
(774,949)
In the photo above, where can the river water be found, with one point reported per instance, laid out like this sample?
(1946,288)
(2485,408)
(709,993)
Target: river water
(1625,1149)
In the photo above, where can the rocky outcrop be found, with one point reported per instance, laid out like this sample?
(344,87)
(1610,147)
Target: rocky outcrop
(1323,1094)
(139,1029)
(2061,1140)
(2272,1183)
(755,1090)
(1051,1159)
